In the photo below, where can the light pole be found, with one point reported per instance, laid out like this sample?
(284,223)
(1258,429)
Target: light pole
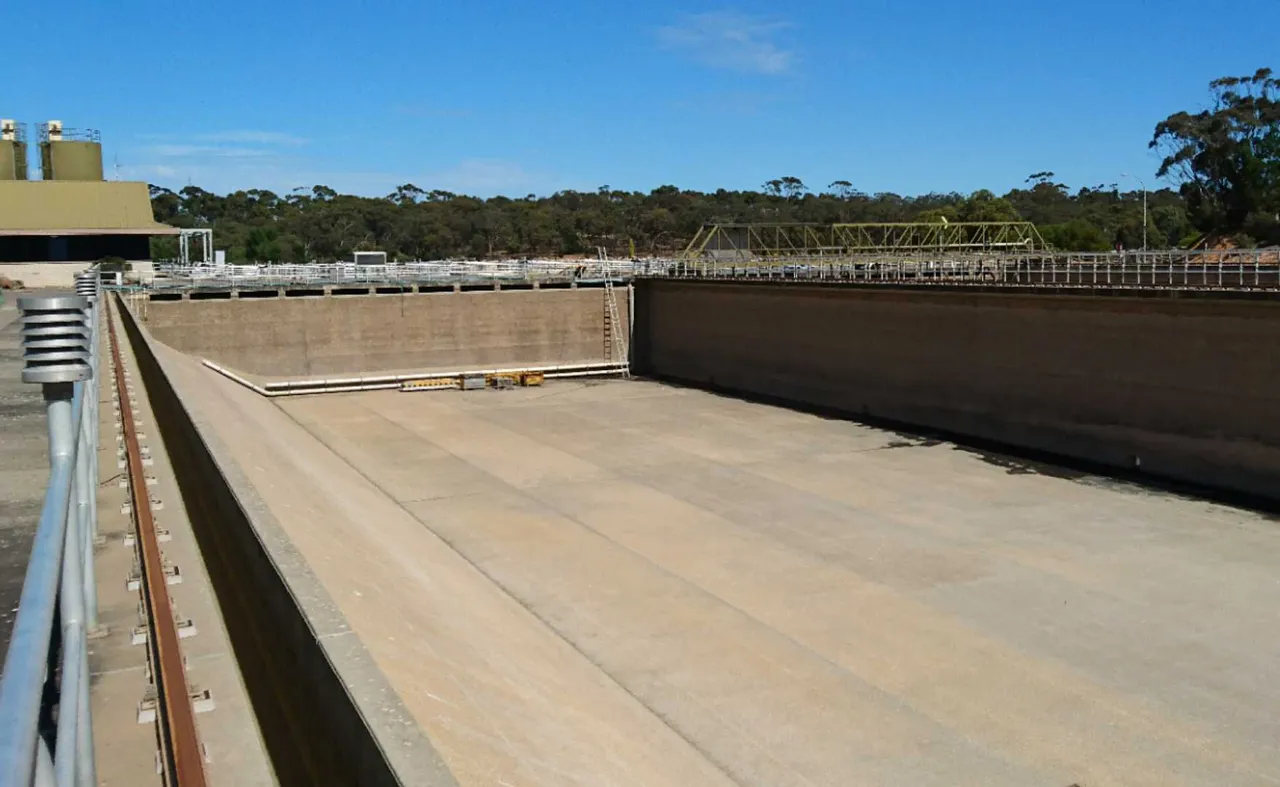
(1144,206)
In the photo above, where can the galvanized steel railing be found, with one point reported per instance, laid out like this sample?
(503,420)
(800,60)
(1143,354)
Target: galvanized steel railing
(47,669)
(349,274)
(1254,269)
(1250,269)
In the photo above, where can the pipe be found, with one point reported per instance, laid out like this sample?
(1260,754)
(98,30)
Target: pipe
(22,680)
(86,766)
(84,488)
(339,389)
(74,680)
(601,373)
(393,382)
(403,378)
(237,378)
(65,759)
(44,766)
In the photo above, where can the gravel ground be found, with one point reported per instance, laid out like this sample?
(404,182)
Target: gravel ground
(24,466)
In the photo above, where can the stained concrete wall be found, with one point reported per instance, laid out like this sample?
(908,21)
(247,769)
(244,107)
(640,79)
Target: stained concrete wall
(339,335)
(1185,389)
(327,713)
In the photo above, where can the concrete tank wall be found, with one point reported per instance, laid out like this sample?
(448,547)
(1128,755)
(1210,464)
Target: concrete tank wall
(1183,388)
(339,335)
(327,713)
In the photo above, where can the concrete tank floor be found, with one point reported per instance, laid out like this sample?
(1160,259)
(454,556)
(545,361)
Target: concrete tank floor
(626,583)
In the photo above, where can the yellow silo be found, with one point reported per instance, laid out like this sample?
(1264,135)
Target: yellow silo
(70,154)
(13,151)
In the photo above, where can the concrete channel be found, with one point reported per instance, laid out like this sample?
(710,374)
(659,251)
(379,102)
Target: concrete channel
(641,582)
(325,712)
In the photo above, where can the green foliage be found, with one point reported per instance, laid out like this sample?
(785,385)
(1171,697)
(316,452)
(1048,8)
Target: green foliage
(985,206)
(1075,235)
(1227,158)
(318,223)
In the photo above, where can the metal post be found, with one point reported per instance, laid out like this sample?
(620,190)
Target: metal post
(73,659)
(86,768)
(44,766)
(84,491)
(86,483)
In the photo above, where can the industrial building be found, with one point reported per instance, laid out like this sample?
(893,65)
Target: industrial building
(52,225)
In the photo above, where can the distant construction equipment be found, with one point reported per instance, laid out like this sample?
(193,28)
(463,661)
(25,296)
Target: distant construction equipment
(790,241)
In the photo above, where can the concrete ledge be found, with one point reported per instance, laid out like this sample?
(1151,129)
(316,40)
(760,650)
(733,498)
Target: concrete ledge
(327,712)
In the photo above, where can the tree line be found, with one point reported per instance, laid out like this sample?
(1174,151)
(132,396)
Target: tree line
(1223,164)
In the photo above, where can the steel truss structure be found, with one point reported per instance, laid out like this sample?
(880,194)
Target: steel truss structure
(789,241)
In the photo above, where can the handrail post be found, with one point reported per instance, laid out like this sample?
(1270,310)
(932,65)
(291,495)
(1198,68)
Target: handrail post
(87,286)
(43,776)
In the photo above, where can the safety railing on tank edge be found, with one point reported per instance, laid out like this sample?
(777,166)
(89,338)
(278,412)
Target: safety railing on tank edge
(1251,269)
(1255,269)
(47,670)
(168,276)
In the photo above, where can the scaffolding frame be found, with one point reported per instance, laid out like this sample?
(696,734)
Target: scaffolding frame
(793,240)
(205,237)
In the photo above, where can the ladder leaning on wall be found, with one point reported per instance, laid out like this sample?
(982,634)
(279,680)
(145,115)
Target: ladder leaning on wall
(615,343)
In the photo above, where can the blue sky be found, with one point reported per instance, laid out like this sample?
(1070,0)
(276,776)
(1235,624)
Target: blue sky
(501,96)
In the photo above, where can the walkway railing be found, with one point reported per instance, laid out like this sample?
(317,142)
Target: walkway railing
(1253,269)
(352,275)
(46,667)
(1234,269)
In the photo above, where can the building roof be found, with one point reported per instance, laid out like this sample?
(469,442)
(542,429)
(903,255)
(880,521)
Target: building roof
(67,207)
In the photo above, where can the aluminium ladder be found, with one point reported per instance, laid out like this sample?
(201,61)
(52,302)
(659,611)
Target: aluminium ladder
(616,344)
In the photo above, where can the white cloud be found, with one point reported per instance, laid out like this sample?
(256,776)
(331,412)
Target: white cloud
(190,150)
(730,40)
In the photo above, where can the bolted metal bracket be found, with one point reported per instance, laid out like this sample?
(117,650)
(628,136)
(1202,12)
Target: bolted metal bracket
(162,535)
(201,702)
(141,635)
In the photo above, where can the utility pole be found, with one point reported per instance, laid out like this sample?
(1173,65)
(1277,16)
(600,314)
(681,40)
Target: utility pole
(1144,206)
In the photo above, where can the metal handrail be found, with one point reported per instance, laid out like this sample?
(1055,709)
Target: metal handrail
(1248,270)
(391,274)
(59,337)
